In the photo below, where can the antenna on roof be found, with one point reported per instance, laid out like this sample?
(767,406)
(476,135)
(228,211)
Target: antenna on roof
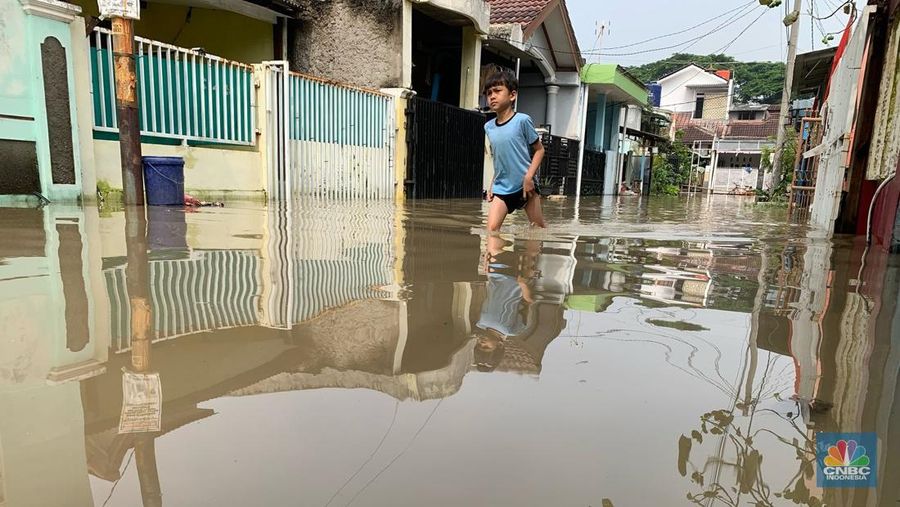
(601,28)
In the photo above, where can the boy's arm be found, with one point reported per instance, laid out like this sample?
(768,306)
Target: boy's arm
(537,156)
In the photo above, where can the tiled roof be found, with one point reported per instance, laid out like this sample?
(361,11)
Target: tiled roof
(522,12)
(706,130)
(755,129)
(697,130)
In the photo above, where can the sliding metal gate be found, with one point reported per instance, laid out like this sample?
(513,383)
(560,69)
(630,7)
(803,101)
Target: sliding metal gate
(446,150)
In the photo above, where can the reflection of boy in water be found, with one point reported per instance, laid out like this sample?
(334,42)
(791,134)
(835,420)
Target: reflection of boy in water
(507,309)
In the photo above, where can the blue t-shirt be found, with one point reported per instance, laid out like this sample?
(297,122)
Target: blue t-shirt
(501,310)
(511,147)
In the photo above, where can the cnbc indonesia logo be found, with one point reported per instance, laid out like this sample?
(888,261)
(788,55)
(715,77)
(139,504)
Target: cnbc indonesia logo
(844,460)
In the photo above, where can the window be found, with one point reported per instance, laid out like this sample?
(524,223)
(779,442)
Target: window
(698,107)
(746,115)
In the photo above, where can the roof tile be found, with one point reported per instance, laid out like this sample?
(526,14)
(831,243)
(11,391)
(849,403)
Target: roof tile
(522,12)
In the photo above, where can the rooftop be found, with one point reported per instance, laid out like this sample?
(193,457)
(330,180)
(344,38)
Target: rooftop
(522,12)
(615,81)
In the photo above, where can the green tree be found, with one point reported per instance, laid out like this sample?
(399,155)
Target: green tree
(755,81)
(671,167)
(779,192)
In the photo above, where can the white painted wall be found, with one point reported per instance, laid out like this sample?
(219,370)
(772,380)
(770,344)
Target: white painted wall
(633,120)
(478,11)
(533,97)
(533,102)
(539,48)
(677,94)
(840,114)
(84,101)
(237,171)
(568,104)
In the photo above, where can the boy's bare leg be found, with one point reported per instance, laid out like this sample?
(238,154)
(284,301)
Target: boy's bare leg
(496,214)
(534,212)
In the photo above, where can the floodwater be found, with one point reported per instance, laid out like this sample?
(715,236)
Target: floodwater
(656,352)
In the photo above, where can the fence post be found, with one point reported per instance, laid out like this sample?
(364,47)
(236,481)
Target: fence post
(260,115)
(401,97)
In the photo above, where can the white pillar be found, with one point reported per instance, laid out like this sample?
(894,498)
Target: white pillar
(406,58)
(518,68)
(620,157)
(582,132)
(470,69)
(550,115)
(713,166)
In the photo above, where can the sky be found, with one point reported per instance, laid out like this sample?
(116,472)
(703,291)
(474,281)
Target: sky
(633,21)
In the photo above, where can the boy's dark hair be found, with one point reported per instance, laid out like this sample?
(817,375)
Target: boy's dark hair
(488,358)
(501,77)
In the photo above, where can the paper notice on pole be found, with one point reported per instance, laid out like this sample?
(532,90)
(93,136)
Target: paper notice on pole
(130,9)
(141,403)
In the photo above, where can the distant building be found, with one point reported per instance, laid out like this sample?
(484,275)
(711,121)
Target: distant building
(705,94)
(536,39)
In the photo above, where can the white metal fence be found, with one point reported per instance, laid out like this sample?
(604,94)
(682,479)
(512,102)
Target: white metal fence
(327,139)
(327,253)
(324,254)
(182,93)
(216,289)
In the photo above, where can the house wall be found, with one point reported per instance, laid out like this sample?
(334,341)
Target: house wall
(611,121)
(633,121)
(17,135)
(840,113)
(216,172)
(218,32)
(568,106)
(15,74)
(715,106)
(356,42)
(533,102)
(604,120)
(676,94)
(540,48)
(533,97)
(38,52)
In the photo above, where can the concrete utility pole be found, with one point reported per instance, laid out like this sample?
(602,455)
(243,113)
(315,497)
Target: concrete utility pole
(127,111)
(784,114)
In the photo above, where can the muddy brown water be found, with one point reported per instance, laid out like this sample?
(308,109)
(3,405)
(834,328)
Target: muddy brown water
(646,352)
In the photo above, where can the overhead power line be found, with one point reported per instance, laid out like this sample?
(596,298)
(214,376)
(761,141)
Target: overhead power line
(698,25)
(726,46)
(733,19)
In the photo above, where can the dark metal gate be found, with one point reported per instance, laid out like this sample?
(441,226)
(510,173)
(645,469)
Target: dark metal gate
(559,170)
(592,172)
(446,151)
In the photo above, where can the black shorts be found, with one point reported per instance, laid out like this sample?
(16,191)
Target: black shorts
(517,200)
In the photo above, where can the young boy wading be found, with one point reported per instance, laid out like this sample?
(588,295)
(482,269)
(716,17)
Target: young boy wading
(517,151)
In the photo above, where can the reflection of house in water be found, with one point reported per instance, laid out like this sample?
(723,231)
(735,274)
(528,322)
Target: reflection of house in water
(837,317)
(45,264)
(256,307)
(684,273)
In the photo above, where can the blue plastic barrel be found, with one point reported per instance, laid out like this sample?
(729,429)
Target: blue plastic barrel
(164,180)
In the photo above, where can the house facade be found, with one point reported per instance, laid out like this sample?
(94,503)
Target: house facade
(432,47)
(727,139)
(616,153)
(536,39)
(263,99)
(705,94)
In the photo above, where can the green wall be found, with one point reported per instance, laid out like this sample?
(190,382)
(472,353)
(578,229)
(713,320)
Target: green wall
(16,95)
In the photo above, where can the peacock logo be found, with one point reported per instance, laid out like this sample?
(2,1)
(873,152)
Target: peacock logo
(846,460)
(846,453)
